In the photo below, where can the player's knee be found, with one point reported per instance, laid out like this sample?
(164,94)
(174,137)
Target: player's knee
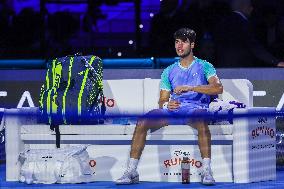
(202,127)
(142,126)
(154,114)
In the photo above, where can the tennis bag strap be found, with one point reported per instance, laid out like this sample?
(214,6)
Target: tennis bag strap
(93,73)
(55,127)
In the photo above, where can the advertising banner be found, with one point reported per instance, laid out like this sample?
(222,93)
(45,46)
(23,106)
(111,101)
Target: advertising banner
(161,162)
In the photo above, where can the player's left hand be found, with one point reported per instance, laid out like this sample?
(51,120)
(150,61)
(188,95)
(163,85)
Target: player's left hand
(182,89)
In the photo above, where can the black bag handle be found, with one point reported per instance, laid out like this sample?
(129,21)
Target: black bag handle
(55,127)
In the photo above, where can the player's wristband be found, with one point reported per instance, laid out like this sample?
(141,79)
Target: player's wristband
(165,105)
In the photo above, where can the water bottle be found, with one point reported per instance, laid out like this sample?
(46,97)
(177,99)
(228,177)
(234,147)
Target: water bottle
(185,170)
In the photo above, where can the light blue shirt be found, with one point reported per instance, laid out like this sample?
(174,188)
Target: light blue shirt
(196,74)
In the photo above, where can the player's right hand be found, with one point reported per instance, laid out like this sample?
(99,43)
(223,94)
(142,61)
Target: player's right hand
(173,104)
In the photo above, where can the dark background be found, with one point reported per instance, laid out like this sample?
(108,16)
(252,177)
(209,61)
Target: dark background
(42,29)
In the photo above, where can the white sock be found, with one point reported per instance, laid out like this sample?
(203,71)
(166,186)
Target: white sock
(206,163)
(132,165)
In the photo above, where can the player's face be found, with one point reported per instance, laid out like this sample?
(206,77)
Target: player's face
(183,48)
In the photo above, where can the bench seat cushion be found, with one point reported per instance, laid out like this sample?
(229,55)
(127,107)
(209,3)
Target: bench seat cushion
(122,130)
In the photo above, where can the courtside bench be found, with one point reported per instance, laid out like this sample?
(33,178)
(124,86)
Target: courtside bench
(242,152)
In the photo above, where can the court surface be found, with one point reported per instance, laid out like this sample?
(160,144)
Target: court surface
(279,183)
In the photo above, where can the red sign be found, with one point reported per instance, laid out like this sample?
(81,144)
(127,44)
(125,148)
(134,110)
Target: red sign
(262,131)
(177,161)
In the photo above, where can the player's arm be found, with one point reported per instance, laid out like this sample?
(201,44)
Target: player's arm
(214,87)
(164,97)
(165,92)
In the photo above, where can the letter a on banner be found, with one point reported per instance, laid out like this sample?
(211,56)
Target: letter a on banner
(26,95)
(281,103)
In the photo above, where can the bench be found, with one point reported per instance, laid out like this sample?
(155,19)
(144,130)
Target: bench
(242,152)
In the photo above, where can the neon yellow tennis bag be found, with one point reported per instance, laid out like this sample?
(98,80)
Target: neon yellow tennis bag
(73,90)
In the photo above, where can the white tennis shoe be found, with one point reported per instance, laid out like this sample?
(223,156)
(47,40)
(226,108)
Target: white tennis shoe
(207,177)
(128,178)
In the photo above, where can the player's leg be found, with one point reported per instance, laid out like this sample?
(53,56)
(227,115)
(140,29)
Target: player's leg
(150,121)
(204,137)
(204,143)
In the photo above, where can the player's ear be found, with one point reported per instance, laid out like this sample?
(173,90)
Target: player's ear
(192,45)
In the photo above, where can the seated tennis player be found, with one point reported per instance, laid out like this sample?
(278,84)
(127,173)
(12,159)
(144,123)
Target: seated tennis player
(185,89)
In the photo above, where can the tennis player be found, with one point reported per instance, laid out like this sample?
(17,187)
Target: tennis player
(185,89)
